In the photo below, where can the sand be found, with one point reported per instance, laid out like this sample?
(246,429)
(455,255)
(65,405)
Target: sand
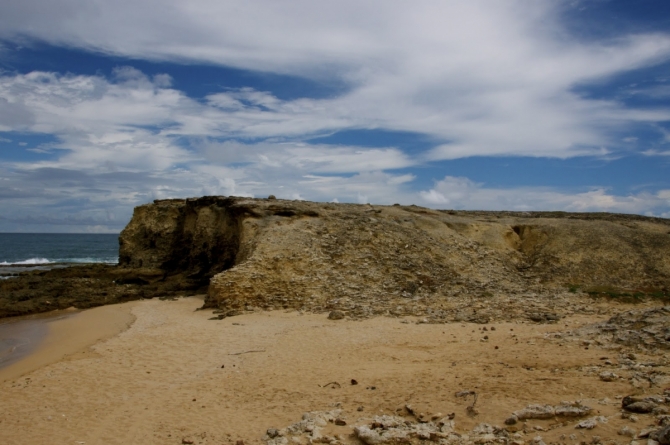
(64,335)
(173,374)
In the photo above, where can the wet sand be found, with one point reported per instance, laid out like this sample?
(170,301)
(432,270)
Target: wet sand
(19,338)
(174,376)
(29,343)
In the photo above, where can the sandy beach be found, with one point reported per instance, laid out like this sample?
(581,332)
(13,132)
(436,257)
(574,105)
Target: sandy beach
(161,372)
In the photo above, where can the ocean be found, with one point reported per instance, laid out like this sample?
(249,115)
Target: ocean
(20,252)
(23,251)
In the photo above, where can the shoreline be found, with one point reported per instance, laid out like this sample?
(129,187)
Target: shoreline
(65,335)
(21,336)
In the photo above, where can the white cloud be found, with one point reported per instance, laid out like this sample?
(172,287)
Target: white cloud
(462,193)
(482,78)
(493,78)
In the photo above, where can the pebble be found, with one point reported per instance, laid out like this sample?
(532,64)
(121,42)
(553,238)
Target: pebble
(607,376)
(336,315)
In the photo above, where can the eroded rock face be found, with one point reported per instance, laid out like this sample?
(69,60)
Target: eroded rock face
(462,266)
(368,260)
(198,238)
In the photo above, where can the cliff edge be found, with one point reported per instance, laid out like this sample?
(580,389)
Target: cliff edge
(403,260)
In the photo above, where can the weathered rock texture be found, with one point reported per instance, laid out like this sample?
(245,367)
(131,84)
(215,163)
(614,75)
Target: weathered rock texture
(643,329)
(365,260)
(403,260)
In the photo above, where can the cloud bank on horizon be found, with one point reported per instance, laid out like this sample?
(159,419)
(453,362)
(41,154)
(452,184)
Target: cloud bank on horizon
(516,104)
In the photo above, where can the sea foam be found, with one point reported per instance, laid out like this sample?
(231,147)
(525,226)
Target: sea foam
(28,262)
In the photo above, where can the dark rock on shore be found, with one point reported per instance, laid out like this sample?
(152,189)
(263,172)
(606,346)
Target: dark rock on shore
(86,286)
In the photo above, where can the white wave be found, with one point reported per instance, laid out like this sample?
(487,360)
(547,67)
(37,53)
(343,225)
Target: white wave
(88,260)
(40,261)
(26,262)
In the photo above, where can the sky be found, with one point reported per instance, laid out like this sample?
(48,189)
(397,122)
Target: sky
(462,104)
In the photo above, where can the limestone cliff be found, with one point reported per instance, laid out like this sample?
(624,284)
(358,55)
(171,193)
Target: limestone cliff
(365,260)
(380,259)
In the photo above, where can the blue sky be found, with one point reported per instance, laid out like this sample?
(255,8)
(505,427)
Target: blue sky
(512,104)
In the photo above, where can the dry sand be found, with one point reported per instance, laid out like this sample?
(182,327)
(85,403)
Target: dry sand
(174,374)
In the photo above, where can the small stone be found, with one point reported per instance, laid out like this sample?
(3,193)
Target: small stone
(272,433)
(591,423)
(633,418)
(627,431)
(644,433)
(607,376)
(186,441)
(512,420)
(360,408)
(535,412)
(568,410)
(663,435)
(336,315)
(642,407)
(340,422)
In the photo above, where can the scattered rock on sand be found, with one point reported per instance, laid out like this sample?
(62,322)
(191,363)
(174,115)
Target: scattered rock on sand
(572,410)
(535,412)
(607,376)
(591,423)
(662,436)
(336,315)
(636,405)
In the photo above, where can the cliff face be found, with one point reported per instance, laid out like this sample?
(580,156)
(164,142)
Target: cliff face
(192,238)
(380,259)
(365,260)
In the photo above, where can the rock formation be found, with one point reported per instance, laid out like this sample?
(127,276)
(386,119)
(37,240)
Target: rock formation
(366,260)
(405,259)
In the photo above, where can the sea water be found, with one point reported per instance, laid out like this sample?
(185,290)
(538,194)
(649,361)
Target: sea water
(24,251)
(21,252)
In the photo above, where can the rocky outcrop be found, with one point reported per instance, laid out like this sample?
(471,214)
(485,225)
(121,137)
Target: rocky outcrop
(642,329)
(368,259)
(364,260)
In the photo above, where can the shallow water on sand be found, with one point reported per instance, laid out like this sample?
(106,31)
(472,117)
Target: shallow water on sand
(20,337)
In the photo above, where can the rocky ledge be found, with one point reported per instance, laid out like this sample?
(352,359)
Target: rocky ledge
(364,260)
